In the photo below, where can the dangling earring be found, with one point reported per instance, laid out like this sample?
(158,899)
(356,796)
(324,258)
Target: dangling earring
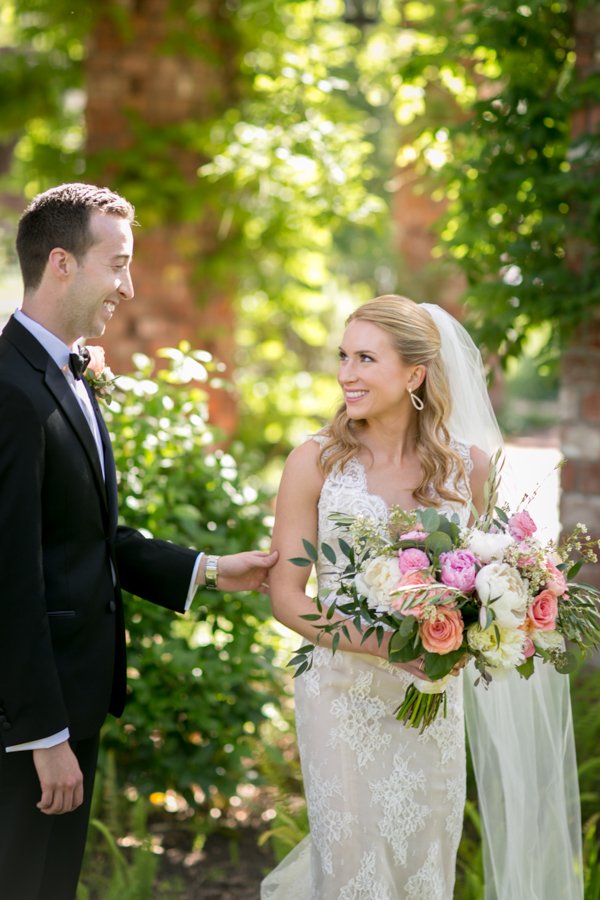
(416,401)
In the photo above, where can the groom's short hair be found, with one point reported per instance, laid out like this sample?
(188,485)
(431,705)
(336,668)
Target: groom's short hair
(60,217)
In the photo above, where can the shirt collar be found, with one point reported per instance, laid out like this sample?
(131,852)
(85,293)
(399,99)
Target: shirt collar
(53,345)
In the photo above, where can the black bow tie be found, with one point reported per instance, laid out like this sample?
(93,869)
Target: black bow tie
(78,362)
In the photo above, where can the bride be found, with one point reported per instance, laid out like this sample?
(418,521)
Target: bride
(385,803)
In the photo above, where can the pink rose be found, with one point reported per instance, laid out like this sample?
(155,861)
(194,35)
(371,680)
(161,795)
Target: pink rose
(557,583)
(413,602)
(97,362)
(458,569)
(412,558)
(528,647)
(521,525)
(543,611)
(443,633)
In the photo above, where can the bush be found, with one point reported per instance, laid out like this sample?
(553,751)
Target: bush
(197,684)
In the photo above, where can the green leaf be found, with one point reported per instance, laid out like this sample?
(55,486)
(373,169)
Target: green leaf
(311,550)
(405,653)
(300,561)
(408,626)
(346,549)
(570,661)
(438,666)
(328,552)
(438,542)
(527,668)
(311,617)
(574,570)
(301,669)
(398,641)
(335,642)
(430,519)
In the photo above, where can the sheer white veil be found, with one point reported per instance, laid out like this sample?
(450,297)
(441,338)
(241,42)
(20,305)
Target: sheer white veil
(520,732)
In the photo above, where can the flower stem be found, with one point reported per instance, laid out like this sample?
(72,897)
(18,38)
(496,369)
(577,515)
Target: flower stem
(419,710)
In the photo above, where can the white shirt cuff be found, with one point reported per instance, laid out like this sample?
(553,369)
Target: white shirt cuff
(42,743)
(193,586)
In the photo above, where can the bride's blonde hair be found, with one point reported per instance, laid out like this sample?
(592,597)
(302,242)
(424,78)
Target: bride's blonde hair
(417,341)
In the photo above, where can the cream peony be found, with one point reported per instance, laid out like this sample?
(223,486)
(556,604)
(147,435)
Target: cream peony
(486,546)
(377,581)
(547,640)
(503,591)
(505,653)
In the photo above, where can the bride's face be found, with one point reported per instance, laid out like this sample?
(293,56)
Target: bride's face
(374,379)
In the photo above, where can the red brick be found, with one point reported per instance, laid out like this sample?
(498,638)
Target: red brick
(569,476)
(589,477)
(590,406)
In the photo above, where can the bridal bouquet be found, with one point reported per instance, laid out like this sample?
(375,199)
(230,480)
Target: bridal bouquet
(491,592)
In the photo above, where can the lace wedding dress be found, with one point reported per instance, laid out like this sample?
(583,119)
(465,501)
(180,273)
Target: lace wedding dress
(385,803)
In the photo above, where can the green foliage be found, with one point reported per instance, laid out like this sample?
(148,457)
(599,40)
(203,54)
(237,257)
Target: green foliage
(489,125)
(109,872)
(198,684)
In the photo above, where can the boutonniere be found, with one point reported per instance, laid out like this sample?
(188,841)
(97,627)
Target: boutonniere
(98,375)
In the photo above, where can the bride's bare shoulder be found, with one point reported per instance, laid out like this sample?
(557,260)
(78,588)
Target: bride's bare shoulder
(303,463)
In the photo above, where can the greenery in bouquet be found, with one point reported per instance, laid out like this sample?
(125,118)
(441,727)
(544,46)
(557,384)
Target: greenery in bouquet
(490,592)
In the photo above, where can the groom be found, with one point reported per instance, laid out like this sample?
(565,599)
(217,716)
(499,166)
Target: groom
(63,558)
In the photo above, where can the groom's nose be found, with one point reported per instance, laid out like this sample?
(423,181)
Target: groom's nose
(126,291)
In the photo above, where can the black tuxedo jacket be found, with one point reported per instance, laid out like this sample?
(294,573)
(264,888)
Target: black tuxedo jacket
(62,636)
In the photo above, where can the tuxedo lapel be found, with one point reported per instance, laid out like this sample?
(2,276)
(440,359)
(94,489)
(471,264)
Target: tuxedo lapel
(57,383)
(110,475)
(33,352)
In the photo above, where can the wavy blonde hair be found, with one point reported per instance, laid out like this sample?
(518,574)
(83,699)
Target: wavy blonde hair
(417,341)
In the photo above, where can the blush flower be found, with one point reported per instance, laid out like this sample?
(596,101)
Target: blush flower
(412,558)
(543,611)
(413,599)
(458,569)
(557,583)
(443,632)
(521,525)
(417,535)
(97,363)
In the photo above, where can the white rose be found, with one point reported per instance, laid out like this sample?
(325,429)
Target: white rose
(503,591)
(501,648)
(377,581)
(548,640)
(487,547)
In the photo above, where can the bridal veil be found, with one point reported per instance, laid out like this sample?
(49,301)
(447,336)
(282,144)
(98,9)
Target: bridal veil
(520,732)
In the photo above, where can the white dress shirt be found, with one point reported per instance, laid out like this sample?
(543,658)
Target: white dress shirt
(59,352)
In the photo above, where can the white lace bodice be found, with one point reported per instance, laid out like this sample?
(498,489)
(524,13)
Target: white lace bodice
(346,491)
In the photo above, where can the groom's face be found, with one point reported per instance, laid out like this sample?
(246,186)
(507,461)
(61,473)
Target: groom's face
(102,277)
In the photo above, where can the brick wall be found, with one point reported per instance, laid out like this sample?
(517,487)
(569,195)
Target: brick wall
(580,371)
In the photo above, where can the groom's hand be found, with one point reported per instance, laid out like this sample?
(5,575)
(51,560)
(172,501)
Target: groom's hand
(60,777)
(248,571)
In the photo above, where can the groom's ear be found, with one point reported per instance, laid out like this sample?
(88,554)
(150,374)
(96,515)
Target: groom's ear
(61,263)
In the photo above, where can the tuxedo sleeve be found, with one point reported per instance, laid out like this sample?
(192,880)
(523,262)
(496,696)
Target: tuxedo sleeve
(30,694)
(155,570)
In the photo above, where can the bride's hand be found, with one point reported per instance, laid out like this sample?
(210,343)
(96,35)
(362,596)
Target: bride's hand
(247,571)
(415,667)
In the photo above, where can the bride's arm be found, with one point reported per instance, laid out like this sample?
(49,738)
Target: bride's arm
(295,519)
